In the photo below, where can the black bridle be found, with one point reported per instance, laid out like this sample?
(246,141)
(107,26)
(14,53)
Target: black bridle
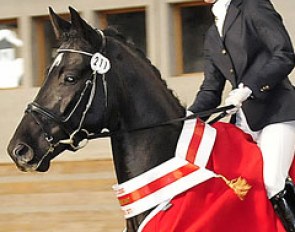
(78,137)
(34,109)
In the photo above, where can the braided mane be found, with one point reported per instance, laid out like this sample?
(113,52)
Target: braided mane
(112,32)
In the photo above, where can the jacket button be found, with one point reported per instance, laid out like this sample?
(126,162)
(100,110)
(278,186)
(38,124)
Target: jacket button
(232,71)
(223,51)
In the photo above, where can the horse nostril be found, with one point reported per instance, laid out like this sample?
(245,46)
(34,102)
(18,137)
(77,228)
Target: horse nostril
(23,153)
(21,150)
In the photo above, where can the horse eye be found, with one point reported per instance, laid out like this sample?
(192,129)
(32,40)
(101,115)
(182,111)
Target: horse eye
(70,79)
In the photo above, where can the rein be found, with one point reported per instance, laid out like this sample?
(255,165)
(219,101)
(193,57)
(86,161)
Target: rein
(221,110)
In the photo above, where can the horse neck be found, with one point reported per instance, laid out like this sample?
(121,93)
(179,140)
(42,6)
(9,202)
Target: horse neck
(141,99)
(137,152)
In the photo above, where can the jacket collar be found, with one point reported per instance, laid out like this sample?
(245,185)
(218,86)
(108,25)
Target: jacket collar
(233,12)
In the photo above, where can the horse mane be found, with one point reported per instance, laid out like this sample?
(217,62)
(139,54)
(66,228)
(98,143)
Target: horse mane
(114,33)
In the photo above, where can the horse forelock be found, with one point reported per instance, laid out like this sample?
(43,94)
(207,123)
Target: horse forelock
(75,40)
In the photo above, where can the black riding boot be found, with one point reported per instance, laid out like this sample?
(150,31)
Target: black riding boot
(284,206)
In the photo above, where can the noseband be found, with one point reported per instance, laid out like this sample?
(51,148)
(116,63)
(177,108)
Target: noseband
(77,138)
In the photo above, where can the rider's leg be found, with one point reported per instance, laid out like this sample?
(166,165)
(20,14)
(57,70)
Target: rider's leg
(277,143)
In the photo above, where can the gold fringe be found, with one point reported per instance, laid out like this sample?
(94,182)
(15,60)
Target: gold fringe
(238,185)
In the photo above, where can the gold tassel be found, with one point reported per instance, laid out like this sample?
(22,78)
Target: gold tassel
(238,185)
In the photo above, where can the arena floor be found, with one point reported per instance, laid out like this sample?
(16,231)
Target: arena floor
(72,197)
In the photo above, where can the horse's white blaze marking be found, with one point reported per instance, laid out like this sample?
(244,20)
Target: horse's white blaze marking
(56,61)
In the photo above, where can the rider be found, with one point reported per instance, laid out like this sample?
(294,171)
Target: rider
(250,47)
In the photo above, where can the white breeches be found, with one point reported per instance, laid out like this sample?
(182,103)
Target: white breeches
(277,144)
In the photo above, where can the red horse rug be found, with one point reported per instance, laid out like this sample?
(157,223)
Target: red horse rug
(209,205)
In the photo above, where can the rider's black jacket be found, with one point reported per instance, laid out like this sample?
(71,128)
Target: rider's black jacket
(255,50)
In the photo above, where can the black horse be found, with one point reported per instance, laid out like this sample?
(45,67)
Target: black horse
(80,98)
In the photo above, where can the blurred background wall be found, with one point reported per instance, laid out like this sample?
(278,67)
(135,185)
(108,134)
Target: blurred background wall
(170,32)
(76,194)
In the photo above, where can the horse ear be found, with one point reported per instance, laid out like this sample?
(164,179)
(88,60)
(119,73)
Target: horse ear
(78,23)
(83,28)
(59,25)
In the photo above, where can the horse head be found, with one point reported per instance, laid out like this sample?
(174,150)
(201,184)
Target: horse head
(96,81)
(62,114)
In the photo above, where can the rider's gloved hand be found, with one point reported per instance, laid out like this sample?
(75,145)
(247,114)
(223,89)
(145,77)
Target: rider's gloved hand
(236,97)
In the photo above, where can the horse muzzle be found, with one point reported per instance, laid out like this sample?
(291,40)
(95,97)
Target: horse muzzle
(23,156)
